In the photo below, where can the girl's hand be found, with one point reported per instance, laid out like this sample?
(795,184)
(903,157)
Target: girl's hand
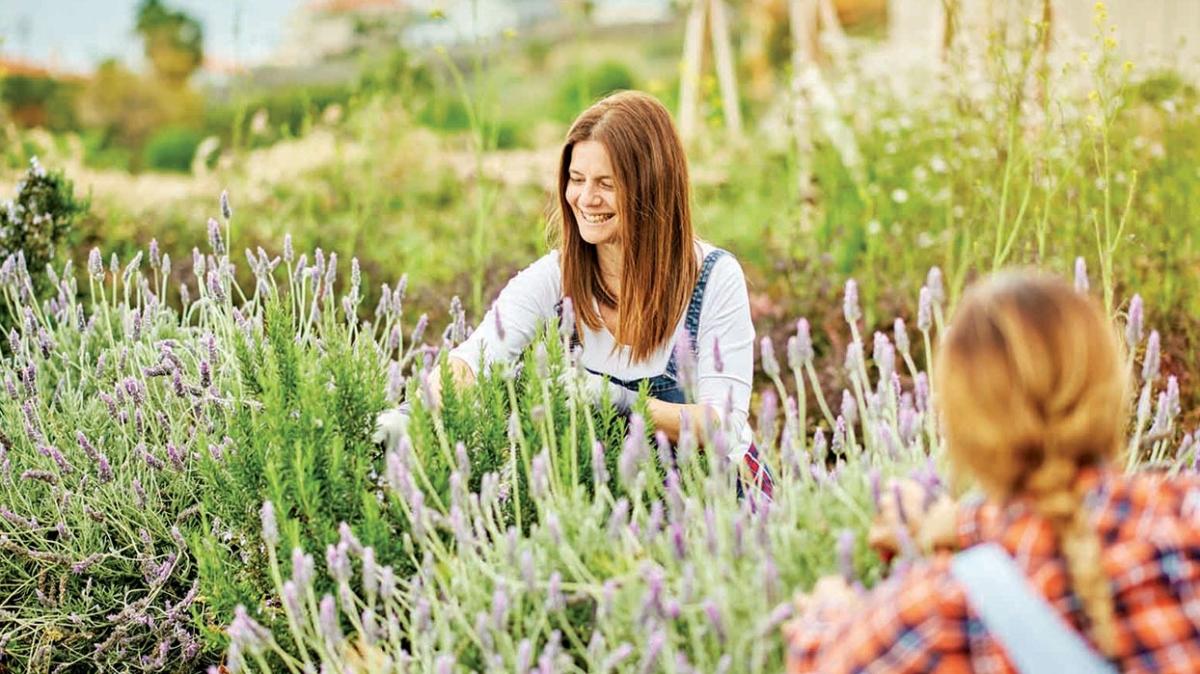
(591,388)
(828,591)
(903,510)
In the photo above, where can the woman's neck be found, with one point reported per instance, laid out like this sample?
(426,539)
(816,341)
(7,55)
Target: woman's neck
(611,259)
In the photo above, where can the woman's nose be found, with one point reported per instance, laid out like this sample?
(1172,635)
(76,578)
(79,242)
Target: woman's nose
(591,195)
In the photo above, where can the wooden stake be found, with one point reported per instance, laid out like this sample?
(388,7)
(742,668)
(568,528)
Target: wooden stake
(726,74)
(689,80)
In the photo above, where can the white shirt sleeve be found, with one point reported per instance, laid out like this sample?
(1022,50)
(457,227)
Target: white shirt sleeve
(725,320)
(528,300)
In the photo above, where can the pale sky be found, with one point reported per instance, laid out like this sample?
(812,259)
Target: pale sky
(76,34)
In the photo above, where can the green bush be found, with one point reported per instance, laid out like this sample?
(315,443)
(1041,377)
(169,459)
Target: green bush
(172,149)
(585,84)
(36,223)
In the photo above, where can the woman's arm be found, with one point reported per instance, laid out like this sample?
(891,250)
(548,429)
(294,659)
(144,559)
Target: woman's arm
(725,352)
(667,417)
(513,320)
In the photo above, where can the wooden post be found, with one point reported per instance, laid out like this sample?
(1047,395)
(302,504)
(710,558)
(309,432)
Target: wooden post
(803,20)
(726,74)
(831,28)
(689,80)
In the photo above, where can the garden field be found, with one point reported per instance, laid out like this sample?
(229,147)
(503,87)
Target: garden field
(193,362)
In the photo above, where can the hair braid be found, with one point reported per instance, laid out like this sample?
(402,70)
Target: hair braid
(1057,499)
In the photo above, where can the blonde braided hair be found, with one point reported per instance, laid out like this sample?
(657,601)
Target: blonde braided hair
(1031,390)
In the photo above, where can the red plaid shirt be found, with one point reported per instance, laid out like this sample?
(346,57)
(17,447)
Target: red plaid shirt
(919,620)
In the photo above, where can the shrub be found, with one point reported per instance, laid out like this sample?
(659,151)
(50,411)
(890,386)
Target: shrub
(172,149)
(586,84)
(37,222)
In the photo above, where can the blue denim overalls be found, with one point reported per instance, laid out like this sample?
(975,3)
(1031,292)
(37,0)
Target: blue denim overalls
(665,386)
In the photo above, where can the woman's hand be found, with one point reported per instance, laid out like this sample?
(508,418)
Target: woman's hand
(462,374)
(828,591)
(903,511)
(590,388)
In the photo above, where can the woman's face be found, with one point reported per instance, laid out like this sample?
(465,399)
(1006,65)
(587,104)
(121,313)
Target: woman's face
(592,194)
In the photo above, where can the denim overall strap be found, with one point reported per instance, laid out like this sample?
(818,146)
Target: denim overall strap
(1035,637)
(691,321)
(574,333)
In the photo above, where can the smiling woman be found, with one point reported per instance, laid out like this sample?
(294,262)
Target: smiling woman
(640,290)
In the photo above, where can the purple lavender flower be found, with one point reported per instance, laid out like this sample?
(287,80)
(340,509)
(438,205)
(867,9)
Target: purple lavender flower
(713,612)
(873,480)
(677,541)
(820,446)
(850,308)
(291,599)
(849,408)
(619,518)
(419,331)
(270,529)
(1152,360)
(900,335)
(599,467)
(337,561)
(226,211)
(854,357)
(654,647)
(1174,406)
(1081,277)
(921,392)
(845,555)
(539,477)
(884,355)
(566,327)
(1133,325)
(770,365)
(552,527)
(937,290)
(327,621)
(247,632)
(302,567)
(802,351)
(925,309)
(96,265)
(525,655)
(554,597)
(500,605)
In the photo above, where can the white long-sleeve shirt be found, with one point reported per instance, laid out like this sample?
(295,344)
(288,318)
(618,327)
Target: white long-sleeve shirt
(531,297)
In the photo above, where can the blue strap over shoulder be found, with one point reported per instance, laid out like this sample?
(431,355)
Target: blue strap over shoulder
(691,321)
(1035,637)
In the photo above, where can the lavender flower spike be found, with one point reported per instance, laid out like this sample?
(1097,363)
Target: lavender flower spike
(925,310)
(802,351)
(1152,360)
(1133,326)
(1081,277)
(900,336)
(270,526)
(937,289)
(770,365)
(845,555)
(850,307)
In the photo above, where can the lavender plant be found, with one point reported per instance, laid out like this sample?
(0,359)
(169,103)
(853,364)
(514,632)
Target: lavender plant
(512,527)
(657,566)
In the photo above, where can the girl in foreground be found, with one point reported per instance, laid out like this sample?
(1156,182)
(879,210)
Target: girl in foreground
(1071,566)
(643,290)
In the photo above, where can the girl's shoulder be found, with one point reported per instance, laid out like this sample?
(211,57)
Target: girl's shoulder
(725,269)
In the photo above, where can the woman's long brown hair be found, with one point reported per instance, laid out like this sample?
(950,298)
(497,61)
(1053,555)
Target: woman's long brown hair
(653,206)
(1031,390)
